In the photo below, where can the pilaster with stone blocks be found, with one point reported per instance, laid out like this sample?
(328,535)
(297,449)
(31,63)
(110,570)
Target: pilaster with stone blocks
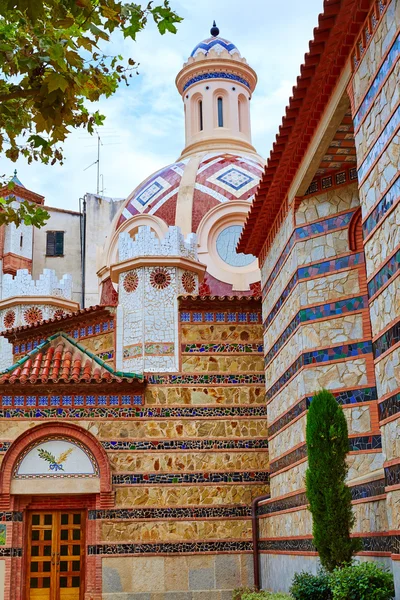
(151,274)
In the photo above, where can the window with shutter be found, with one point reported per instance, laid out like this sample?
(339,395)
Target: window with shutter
(55,243)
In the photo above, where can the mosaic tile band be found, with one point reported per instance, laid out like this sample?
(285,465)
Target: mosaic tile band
(389,407)
(188,478)
(364,442)
(170,548)
(304,232)
(389,269)
(320,184)
(374,88)
(388,200)
(319,356)
(70,400)
(220,317)
(185,512)
(208,379)
(379,543)
(199,444)
(215,75)
(377,148)
(392,475)
(221,348)
(387,340)
(346,397)
(316,312)
(324,268)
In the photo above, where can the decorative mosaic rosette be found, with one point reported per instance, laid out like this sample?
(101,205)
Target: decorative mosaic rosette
(59,313)
(131,282)
(188,282)
(9,319)
(160,278)
(33,315)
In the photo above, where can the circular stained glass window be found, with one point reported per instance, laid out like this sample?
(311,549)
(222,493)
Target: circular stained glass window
(226,247)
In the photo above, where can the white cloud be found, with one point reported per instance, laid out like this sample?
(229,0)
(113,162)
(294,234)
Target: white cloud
(144,128)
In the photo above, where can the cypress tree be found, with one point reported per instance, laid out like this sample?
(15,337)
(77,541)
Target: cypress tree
(326,489)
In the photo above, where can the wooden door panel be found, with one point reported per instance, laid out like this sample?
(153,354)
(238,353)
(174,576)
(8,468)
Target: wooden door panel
(55,555)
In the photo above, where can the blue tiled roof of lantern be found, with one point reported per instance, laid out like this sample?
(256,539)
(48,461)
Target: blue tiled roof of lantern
(217,43)
(16,180)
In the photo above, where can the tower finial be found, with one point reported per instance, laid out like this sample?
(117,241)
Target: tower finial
(214,30)
(15,172)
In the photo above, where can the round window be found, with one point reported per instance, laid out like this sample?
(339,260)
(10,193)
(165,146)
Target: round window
(226,244)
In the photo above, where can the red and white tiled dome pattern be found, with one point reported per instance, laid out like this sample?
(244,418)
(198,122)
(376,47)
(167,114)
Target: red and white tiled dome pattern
(219,178)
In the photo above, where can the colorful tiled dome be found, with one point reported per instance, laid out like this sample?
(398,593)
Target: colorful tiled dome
(218,179)
(216,43)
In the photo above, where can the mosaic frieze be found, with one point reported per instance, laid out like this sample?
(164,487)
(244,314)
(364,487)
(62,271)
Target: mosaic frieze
(173,462)
(368,490)
(287,503)
(218,348)
(301,233)
(207,379)
(389,407)
(71,400)
(191,531)
(389,269)
(387,340)
(392,475)
(329,376)
(201,495)
(217,317)
(179,429)
(226,396)
(295,545)
(181,512)
(383,206)
(191,412)
(170,548)
(288,459)
(371,57)
(376,83)
(315,334)
(205,444)
(345,397)
(189,478)
(11,516)
(317,312)
(316,270)
(318,356)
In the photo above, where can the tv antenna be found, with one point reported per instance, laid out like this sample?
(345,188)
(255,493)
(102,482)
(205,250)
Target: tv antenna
(97,162)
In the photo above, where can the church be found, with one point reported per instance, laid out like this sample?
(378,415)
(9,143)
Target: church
(159,353)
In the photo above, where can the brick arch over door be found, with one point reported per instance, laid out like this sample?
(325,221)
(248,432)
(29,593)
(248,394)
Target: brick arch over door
(41,432)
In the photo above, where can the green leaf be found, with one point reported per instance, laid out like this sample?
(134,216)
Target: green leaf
(56,81)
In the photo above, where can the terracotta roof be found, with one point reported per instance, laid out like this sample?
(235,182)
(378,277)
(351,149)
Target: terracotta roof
(329,51)
(59,319)
(60,359)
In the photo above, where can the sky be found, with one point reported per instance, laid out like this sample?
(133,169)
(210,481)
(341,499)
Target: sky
(144,127)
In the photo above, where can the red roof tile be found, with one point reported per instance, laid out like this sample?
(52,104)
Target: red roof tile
(59,359)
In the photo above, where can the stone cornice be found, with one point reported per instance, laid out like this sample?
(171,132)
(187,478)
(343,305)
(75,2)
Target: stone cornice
(157,261)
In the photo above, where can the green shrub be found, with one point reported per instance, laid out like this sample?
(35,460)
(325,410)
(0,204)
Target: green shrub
(362,581)
(306,586)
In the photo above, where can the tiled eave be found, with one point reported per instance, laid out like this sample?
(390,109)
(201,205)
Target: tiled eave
(55,324)
(338,28)
(61,360)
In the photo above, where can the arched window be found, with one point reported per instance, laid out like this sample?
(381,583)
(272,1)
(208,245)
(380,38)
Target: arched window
(242,113)
(200,115)
(220,112)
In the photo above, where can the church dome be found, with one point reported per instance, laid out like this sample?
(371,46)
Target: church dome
(201,182)
(217,44)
